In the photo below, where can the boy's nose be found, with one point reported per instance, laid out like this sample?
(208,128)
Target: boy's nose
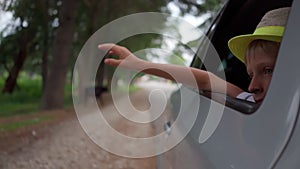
(254,86)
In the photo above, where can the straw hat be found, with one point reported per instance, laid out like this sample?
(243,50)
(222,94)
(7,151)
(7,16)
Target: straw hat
(271,27)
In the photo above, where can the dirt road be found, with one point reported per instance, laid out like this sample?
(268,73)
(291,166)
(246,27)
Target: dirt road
(64,145)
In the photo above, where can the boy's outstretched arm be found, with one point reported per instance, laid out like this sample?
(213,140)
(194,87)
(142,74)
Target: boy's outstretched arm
(196,78)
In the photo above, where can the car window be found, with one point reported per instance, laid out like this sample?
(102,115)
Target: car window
(230,23)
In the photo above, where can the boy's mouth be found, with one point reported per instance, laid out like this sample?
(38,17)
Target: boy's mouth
(258,100)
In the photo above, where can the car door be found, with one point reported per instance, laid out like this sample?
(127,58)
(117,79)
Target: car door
(226,137)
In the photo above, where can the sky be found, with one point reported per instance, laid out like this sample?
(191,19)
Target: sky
(5,18)
(195,21)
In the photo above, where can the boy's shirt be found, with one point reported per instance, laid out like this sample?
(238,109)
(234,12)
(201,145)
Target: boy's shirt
(246,96)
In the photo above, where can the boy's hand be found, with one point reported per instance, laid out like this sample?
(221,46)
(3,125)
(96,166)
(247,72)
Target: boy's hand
(127,59)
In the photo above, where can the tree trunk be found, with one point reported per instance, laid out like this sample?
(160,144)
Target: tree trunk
(44,67)
(11,80)
(45,44)
(94,24)
(53,94)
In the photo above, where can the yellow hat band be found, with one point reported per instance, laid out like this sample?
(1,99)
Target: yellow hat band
(269,30)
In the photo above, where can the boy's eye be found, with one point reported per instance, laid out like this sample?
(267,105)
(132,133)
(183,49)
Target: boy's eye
(268,71)
(250,76)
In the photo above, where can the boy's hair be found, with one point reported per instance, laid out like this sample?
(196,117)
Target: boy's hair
(270,28)
(268,47)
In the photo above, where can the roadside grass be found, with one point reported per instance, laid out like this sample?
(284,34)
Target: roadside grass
(13,109)
(26,97)
(25,100)
(10,127)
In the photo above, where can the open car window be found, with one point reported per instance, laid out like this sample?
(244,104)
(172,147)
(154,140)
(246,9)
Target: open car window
(230,22)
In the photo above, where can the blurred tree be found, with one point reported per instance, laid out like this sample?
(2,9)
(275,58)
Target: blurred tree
(31,28)
(19,60)
(53,94)
(47,36)
(94,14)
(198,8)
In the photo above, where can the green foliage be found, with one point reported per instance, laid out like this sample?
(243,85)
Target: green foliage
(197,7)
(11,109)
(26,87)
(68,100)
(94,14)
(34,19)
(140,42)
(26,99)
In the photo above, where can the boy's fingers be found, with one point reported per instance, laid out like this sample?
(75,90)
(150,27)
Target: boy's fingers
(115,49)
(110,46)
(106,46)
(112,62)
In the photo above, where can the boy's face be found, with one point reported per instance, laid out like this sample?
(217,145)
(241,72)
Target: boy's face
(260,68)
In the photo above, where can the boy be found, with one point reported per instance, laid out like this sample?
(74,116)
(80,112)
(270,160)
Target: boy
(258,51)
